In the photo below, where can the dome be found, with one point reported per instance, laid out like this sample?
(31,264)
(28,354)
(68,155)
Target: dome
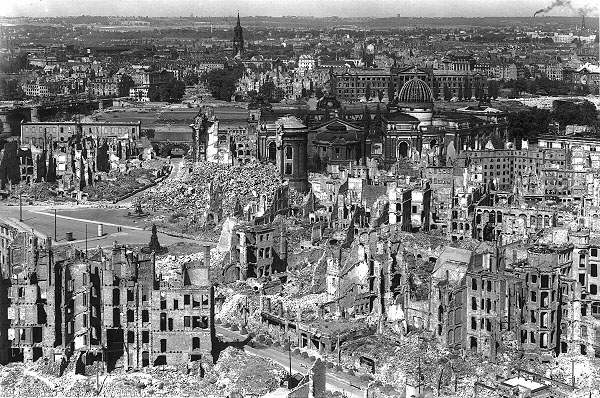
(415,91)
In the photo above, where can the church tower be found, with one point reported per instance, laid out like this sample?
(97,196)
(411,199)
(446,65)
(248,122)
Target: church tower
(238,39)
(292,156)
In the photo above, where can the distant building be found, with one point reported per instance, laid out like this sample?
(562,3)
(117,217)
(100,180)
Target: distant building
(238,39)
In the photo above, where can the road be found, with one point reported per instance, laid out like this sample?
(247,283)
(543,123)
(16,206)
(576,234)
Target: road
(116,224)
(350,385)
(76,219)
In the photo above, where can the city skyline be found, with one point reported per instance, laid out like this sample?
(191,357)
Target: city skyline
(340,8)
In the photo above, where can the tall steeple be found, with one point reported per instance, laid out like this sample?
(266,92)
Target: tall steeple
(238,38)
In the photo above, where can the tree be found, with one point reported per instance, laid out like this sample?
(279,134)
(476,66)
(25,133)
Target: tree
(319,92)
(267,90)
(14,64)
(478,92)
(368,91)
(435,89)
(221,82)
(468,90)
(390,92)
(569,112)
(528,124)
(492,89)
(460,92)
(125,84)
(153,93)
(447,95)
(10,90)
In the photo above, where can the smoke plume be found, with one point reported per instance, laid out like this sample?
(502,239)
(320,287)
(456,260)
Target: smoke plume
(582,11)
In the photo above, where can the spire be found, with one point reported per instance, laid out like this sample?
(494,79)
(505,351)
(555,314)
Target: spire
(238,19)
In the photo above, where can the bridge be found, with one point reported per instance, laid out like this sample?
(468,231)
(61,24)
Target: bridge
(12,115)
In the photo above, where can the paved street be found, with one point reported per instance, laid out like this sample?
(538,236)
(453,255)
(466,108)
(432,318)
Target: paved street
(75,220)
(352,386)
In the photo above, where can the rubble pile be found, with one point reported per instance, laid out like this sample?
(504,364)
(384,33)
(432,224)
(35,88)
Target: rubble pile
(235,371)
(117,183)
(190,195)
(171,265)
(248,375)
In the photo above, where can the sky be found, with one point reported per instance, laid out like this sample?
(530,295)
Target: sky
(318,8)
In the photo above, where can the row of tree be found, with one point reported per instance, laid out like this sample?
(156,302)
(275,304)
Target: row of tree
(222,82)
(171,91)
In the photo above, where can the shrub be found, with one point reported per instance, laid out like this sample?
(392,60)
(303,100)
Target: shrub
(235,327)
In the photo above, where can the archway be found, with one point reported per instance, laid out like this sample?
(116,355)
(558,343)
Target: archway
(272,149)
(402,149)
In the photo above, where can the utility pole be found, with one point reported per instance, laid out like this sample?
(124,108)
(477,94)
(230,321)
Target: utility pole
(339,350)
(20,206)
(419,370)
(55,225)
(86,246)
(290,357)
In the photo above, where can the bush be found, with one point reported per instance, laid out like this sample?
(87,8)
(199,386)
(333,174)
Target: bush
(338,368)
(235,327)
(312,358)
(329,365)
(243,330)
(351,372)
(218,321)
(276,343)
(227,325)
(295,351)
(260,338)
(304,354)
(366,377)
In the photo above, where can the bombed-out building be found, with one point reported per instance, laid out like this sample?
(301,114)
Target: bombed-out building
(109,307)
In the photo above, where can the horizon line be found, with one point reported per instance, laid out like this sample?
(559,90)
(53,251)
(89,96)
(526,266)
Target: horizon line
(298,16)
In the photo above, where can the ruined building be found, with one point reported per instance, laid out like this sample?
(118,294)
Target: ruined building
(110,306)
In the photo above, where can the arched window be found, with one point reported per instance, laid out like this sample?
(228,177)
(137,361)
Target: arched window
(288,167)
(402,150)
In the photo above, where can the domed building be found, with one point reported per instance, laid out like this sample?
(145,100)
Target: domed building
(416,99)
